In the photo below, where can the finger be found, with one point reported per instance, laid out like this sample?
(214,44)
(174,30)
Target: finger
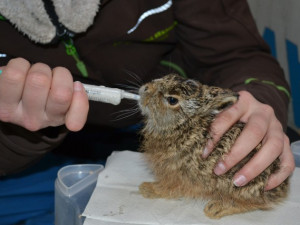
(77,114)
(270,150)
(35,96)
(12,82)
(252,134)
(60,95)
(221,124)
(287,166)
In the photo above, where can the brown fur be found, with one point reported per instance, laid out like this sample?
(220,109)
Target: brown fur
(174,138)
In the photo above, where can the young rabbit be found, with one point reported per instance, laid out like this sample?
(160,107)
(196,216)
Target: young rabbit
(178,113)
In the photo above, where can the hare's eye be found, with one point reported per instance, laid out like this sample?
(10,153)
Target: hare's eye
(172,100)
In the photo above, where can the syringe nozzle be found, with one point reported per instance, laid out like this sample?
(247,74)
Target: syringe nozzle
(132,96)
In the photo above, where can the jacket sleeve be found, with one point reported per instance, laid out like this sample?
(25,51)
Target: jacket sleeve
(221,46)
(20,148)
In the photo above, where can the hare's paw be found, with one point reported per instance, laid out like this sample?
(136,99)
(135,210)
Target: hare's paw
(214,209)
(217,209)
(147,190)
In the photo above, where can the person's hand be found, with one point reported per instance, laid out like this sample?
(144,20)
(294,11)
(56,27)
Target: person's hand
(261,125)
(36,96)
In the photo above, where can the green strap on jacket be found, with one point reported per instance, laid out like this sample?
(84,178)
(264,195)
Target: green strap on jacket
(174,66)
(72,51)
(2,17)
(278,87)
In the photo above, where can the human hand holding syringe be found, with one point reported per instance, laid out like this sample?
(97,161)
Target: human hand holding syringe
(37,96)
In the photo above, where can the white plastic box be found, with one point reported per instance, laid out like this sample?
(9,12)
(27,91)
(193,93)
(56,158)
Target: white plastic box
(73,188)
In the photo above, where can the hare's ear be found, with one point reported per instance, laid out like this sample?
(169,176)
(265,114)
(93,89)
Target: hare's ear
(223,102)
(192,83)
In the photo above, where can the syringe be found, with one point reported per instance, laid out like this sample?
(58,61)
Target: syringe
(108,95)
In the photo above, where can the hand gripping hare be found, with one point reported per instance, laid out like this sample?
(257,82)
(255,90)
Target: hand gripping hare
(178,113)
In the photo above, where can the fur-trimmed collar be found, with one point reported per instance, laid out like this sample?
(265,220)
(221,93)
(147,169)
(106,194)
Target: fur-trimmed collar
(31,18)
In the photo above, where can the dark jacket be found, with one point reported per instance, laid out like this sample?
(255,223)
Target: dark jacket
(213,41)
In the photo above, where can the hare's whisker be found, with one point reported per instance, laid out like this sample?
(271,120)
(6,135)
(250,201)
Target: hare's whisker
(128,88)
(125,115)
(136,85)
(135,77)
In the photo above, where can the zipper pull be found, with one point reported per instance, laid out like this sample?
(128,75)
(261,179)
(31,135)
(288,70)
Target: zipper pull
(71,50)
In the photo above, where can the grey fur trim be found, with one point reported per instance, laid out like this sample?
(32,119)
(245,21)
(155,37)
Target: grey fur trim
(76,15)
(31,18)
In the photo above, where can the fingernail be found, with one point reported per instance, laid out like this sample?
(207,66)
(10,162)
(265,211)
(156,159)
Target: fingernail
(205,153)
(240,181)
(77,86)
(206,150)
(220,168)
(0,72)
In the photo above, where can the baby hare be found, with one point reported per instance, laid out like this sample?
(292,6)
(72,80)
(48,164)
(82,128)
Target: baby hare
(178,113)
